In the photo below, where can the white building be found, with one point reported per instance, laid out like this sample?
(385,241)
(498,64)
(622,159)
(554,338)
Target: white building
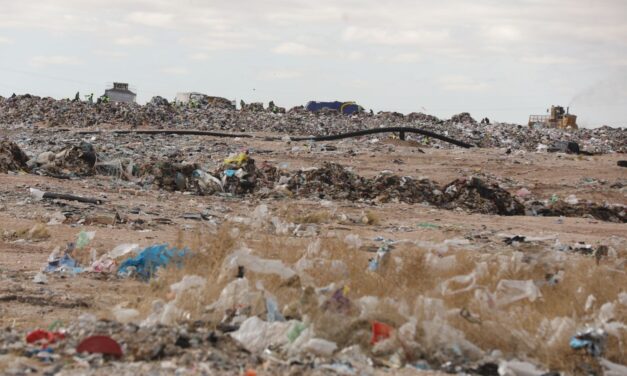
(120,93)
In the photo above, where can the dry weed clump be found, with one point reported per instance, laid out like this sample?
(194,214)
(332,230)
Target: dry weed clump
(38,232)
(304,215)
(371,218)
(317,217)
(208,252)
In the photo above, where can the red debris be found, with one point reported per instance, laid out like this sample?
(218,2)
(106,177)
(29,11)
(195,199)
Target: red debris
(101,345)
(44,336)
(380,331)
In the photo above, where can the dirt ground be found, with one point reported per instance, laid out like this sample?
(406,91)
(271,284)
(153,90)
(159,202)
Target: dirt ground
(25,305)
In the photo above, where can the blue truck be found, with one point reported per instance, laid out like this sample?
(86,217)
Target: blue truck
(346,108)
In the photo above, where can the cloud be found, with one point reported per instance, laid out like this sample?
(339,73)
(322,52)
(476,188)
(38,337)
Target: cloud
(136,40)
(549,60)
(619,61)
(296,49)
(406,57)
(111,54)
(503,33)
(280,74)
(394,37)
(461,84)
(44,61)
(153,19)
(351,55)
(517,44)
(357,84)
(215,40)
(174,71)
(199,56)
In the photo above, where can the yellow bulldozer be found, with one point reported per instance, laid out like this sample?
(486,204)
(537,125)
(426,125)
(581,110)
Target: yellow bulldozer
(557,118)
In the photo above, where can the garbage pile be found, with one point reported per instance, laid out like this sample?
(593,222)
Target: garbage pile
(469,314)
(480,197)
(335,182)
(12,158)
(463,118)
(27,110)
(78,160)
(239,175)
(89,345)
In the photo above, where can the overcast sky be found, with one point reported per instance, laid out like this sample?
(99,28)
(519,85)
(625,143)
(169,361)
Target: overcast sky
(504,59)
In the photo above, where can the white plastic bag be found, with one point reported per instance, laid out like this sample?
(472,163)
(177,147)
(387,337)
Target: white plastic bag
(509,291)
(256,335)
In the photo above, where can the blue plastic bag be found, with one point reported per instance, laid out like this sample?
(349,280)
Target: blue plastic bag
(65,263)
(152,258)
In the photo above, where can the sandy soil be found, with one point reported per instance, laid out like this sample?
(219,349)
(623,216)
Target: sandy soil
(26,305)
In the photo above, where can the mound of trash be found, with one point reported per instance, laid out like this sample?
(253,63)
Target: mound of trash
(479,197)
(31,111)
(12,158)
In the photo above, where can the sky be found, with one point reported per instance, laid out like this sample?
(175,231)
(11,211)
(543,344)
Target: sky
(504,59)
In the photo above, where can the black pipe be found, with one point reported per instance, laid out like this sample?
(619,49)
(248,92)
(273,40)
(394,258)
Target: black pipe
(62,196)
(401,130)
(383,130)
(185,132)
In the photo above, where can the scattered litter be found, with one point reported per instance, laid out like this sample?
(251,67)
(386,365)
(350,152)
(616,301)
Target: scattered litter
(63,264)
(244,257)
(511,291)
(591,340)
(380,331)
(100,345)
(44,337)
(427,225)
(149,260)
(83,238)
(40,278)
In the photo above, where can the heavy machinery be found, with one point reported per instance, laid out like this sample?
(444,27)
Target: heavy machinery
(557,118)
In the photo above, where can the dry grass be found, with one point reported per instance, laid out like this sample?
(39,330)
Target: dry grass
(317,217)
(515,329)
(38,232)
(209,251)
(304,215)
(372,218)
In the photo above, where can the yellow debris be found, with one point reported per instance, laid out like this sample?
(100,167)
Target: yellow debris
(238,159)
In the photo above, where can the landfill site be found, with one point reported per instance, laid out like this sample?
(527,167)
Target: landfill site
(202,238)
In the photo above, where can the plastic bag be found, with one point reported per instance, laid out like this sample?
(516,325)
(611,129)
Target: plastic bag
(148,261)
(187,283)
(518,368)
(509,291)
(319,347)
(235,294)
(237,159)
(272,309)
(37,194)
(124,315)
(83,238)
(244,257)
(123,249)
(256,335)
